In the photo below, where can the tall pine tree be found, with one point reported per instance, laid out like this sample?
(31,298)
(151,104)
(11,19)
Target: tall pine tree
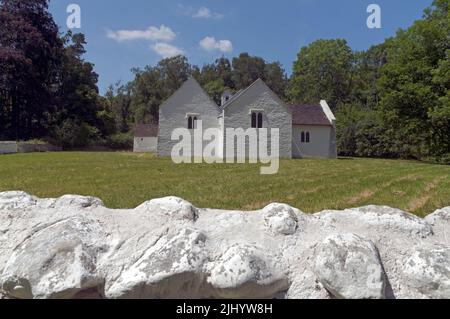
(30,53)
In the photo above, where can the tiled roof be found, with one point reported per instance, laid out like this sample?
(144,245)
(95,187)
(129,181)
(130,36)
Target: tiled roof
(308,115)
(146,130)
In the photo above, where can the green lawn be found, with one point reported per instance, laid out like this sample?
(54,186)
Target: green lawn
(125,180)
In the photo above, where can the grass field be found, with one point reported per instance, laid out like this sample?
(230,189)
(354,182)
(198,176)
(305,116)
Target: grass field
(125,180)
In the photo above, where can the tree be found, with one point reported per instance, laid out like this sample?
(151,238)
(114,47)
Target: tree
(216,78)
(414,84)
(439,113)
(78,91)
(366,73)
(153,85)
(119,101)
(276,78)
(215,90)
(246,70)
(348,117)
(174,72)
(82,116)
(30,55)
(323,70)
(225,72)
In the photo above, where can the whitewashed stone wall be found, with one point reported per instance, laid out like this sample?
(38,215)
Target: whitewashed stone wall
(145,144)
(23,147)
(321,142)
(275,115)
(8,147)
(190,98)
(74,247)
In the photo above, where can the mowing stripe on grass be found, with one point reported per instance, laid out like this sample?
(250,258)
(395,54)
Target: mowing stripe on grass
(125,180)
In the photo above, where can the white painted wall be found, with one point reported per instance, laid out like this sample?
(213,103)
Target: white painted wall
(8,147)
(189,99)
(192,99)
(276,115)
(321,141)
(24,147)
(145,144)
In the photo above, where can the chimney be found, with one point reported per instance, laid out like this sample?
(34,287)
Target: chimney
(226,96)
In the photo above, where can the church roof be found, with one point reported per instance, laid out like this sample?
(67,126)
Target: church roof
(242,93)
(304,114)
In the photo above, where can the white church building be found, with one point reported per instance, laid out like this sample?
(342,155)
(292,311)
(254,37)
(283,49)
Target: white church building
(305,131)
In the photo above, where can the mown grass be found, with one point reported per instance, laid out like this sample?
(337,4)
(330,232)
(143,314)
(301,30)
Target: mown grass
(125,180)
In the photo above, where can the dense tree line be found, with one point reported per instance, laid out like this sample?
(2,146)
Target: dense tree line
(47,90)
(392,100)
(139,100)
(30,55)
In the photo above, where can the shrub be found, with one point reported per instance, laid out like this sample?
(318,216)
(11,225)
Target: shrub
(120,141)
(444,159)
(34,142)
(72,134)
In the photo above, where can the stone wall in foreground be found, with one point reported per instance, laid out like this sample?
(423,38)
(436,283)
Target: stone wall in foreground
(74,247)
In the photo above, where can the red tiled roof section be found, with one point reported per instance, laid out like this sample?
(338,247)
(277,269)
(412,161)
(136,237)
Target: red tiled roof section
(146,130)
(308,115)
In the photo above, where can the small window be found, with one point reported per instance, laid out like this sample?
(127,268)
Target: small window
(260,120)
(306,137)
(254,120)
(192,121)
(257,120)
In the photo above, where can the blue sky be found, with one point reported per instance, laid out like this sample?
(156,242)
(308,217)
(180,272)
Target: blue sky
(134,33)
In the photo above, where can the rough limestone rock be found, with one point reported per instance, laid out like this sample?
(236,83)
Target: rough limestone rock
(307,286)
(281,219)
(10,201)
(379,217)
(58,260)
(171,268)
(243,270)
(173,207)
(428,271)
(441,216)
(349,267)
(75,247)
(77,201)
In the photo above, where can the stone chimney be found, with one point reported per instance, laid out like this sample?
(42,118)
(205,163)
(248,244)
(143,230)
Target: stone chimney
(226,96)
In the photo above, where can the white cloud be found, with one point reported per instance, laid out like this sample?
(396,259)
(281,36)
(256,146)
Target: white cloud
(211,44)
(206,13)
(201,13)
(162,33)
(166,50)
